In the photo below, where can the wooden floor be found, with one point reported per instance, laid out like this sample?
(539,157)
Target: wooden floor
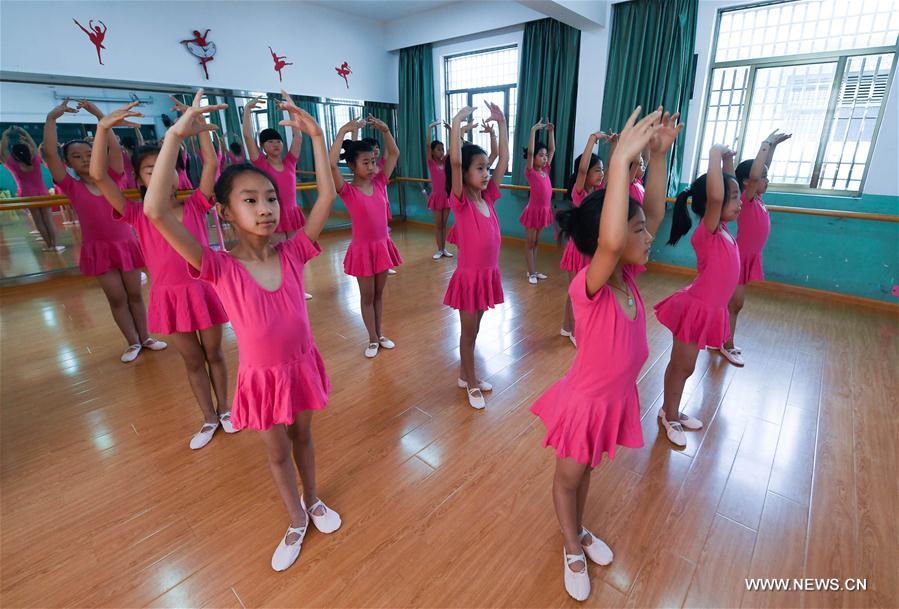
(104,505)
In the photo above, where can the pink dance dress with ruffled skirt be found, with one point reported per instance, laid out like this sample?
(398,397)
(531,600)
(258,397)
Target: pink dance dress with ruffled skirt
(371,250)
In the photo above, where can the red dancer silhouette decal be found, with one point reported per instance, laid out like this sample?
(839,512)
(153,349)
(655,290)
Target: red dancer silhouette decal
(96,34)
(200,48)
(279,62)
(344,71)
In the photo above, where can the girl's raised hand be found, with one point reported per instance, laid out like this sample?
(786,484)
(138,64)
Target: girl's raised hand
(537,126)
(469,127)
(462,114)
(667,131)
(179,106)
(550,126)
(487,128)
(61,109)
(636,135)
(252,103)
(300,119)
(496,114)
(721,150)
(446,124)
(376,123)
(90,107)
(353,124)
(192,122)
(778,138)
(120,116)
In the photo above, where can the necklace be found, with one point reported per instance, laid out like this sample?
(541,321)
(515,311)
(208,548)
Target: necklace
(626,292)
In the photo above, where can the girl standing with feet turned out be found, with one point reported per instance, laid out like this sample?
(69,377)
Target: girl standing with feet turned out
(476,284)
(753,228)
(189,311)
(109,250)
(589,175)
(595,407)
(281,380)
(697,314)
(538,214)
(371,251)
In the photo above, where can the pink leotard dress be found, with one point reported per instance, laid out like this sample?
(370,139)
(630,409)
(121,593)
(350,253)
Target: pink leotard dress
(30,183)
(538,213)
(105,243)
(753,228)
(292,218)
(439,199)
(476,284)
(698,313)
(178,302)
(371,250)
(281,372)
(595,407)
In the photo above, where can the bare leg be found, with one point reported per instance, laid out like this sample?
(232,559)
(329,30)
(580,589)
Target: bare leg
(378,303)
(734,307)
(470,325)
(136,305)
(191,351)
(568,479)
(211,339)
(439,228)
(443,231)
(681,366)
(280,449)
(300,434)
(114,287)
(568,316)
(43,221)
(367,304)
(530,257)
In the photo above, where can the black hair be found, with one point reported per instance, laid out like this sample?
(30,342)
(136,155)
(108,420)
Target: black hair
(225,183)
(581,224)
(236,148)
(371,142)
(352,149)
(128,142)
(69,144)
(435,143)
(469,151)
(138,157)
(743,170)
(179,161)
(21,153)
(680,218)
(572,179)
(538,146)
(269,134)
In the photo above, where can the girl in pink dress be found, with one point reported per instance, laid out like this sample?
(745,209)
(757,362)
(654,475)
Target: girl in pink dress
(235,154)
(697,315)
(109,250)
(283,171)
(476,284)
(438,202)
(538,213)
(595,407)
(24,163)
(371,252)
(186,309)
(588,176)
(753,228)
(281,379)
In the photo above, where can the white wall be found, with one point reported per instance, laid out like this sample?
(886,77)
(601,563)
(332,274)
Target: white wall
(143,45)
(882,179)
(594,61)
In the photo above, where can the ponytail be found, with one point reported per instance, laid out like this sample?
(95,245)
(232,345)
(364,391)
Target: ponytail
(572,179)
(680,219)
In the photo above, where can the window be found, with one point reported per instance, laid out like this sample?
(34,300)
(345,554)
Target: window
(819,69)
(475,78)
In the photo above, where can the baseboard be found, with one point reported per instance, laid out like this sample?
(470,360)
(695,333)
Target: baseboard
(776,286)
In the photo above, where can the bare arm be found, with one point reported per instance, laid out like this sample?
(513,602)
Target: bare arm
(551,144)
(532,138)
(391,150)
(249,140)
(99,170)
(427,147)
(456,150)
(657,180)
(210,163)
(157,201)
(139,137)
(51,144)
(296,142)
(334,157)
(4,145)
(584,166)
(116,162)
(29,141)
(488,128)
(502,165)
(714,189)
(613,224)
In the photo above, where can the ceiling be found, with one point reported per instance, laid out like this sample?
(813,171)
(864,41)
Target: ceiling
(383,10)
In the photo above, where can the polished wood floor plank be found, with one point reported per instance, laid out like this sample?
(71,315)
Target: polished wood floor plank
(444,506)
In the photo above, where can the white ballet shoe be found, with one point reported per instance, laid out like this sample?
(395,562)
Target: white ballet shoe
(475,398)
(577,583)
(328,522)
(287,553)
(307,295)
(532,279)
(391,272)
(371,350)
(437,255)
(386,343)
(227,425)
(597,551)
(154,345)
(734,356)
(447,254)
(540,276)
(482,385)
(131,353)
(569,336)
(204,436)
(674,430)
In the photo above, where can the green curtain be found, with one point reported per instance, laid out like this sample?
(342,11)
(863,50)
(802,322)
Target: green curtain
(416,107)
(233,131)
(547,88)
(307,158)
(275,114)
(651,64)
